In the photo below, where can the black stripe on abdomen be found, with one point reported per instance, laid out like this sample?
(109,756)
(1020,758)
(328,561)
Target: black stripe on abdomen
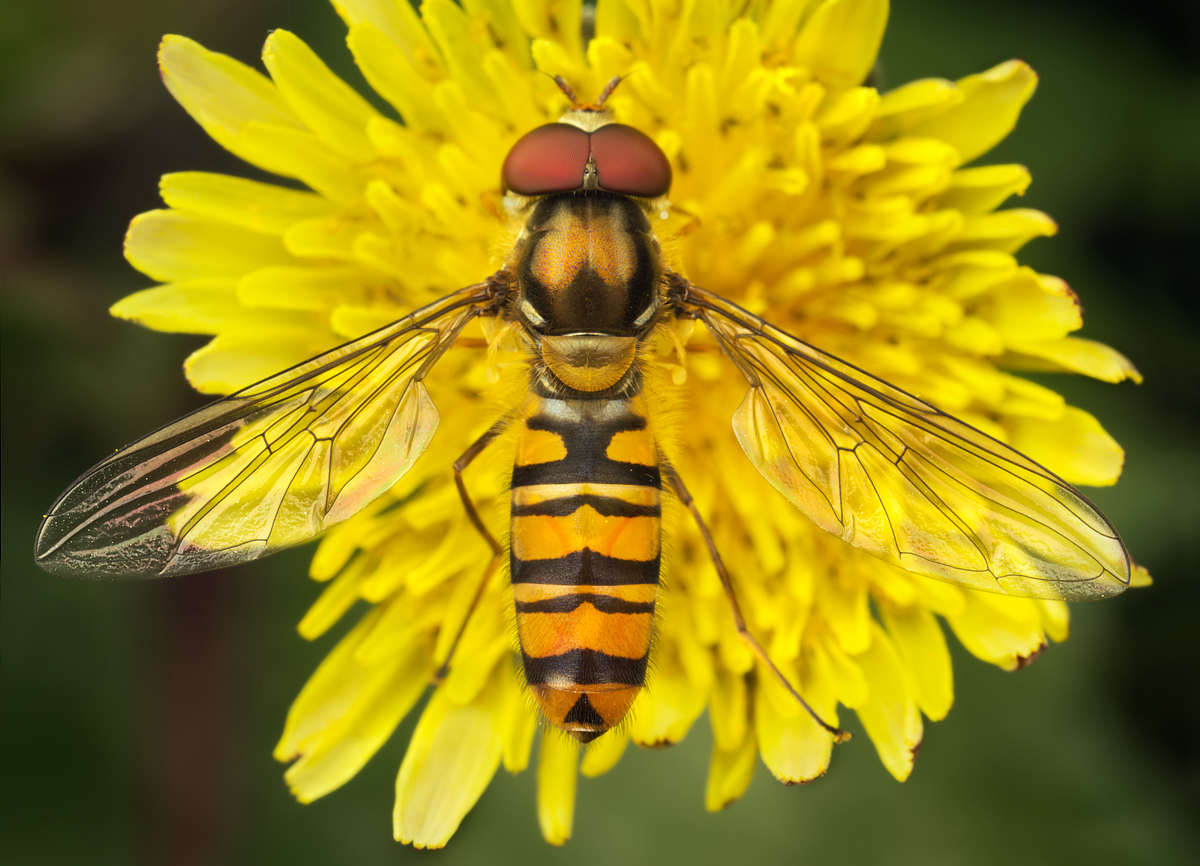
(568,603)
(584,568)
(570,471)
(607,506)
(584,667)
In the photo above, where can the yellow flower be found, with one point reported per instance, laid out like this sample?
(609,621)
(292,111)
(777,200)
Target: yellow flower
(842,214)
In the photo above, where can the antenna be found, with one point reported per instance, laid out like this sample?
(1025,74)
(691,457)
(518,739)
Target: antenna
(598,105)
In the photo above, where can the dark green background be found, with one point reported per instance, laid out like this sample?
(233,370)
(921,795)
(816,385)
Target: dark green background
(139,719)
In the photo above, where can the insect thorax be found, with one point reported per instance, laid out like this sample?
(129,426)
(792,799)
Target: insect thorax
(588,263)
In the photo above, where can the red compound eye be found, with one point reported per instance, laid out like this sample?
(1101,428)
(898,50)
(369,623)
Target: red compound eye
(549,159)
(629,162)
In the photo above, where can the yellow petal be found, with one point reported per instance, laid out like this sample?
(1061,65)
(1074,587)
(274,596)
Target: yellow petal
(394,77)
(1140,577)
(249,204)
(327,105)
(728,710)
(345,747)
(450,28)
(794,748)
(903,107)
(603,753)
(331,237)
(172,246)
(845,116)
(334,600)
(1006,230)
(991,103)
(838,672)
(451,758)
(841,39)
(730,772)
(311,288)
(522,725)
(337,545)
(554,20)
(398,22)
(485,643)
(197,307)
(844,605)
(890,714)
(667,707)
(983,189)
(1080,356)
(329,691)
(557,777)
(781,21)
(1030,307)
(1004,631)
(235,359)
(921,646)
(222,94)
(1056,618)
(1074,446)
(300,154)
(502,22)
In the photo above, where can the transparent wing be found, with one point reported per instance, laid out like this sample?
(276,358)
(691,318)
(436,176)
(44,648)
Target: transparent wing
(894,476)
(266,468)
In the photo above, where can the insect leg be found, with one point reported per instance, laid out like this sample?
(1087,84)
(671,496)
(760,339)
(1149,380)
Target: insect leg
(739,622)
(473,451)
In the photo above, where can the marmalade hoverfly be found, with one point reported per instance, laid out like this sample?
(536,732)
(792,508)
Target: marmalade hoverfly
(584,286)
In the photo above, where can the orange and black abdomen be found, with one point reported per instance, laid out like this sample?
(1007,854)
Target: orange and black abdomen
(585,547)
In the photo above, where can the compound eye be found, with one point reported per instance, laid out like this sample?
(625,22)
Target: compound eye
(549,159)
(629,162)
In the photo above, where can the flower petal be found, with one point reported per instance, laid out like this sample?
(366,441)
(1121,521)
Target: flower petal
(391,690)
(603,753)
(452,757)
(1029,307)
(329,692)
(172,246)
(890,714)
(245,203)
(983,189)
(728,709)
(337,598)
(840,40)
(1074,446)
(222,94)
(394,77)
(991,103)
(730,772)
(299,154)
(665,710)
(399,22)
(196,307)
(793,746)
(522,725)
(921,647)
(1007,230)
(557,777)
(308,288)
(1006,632)
(327,105)
(449,26)
(235,359)
(554,20)
(1080,356)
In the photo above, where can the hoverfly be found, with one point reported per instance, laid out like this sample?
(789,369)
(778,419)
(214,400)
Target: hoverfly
(584,286)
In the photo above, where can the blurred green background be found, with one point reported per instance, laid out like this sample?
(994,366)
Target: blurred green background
(139,719)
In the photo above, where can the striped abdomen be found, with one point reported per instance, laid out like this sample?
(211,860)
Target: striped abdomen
(586,525)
